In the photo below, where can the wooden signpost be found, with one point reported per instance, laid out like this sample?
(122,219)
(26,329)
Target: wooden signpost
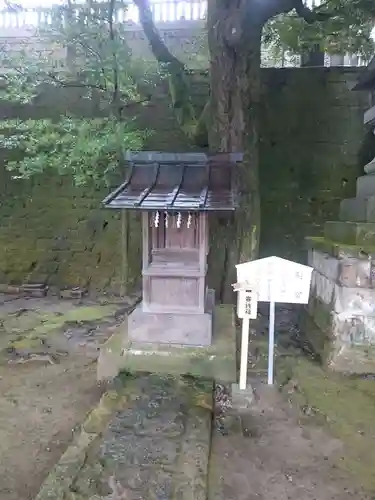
(272,280)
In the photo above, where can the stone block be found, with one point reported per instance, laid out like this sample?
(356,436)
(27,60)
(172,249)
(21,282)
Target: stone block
(37,290)
(73,293)
(344,318)
(354,301)
(353,210)
(370,209)
(217,361)
(355,272)
(358,209)
(351,233)
(346,270)
(323,288)
(342,299)
(165,328)
(324,263)
(366,186)
(352,359)
(341,232)
(242,399)
(321,313)
(334,352)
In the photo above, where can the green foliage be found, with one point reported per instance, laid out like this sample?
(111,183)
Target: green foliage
(87,149)
(346,28)
(83,48)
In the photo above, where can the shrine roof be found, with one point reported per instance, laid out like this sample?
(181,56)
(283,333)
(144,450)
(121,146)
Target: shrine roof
(177,182)
(367,79)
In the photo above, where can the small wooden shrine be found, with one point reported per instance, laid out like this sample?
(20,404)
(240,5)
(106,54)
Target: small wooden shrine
(175,193)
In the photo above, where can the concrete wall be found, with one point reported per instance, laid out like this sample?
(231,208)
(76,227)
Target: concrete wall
(311,134)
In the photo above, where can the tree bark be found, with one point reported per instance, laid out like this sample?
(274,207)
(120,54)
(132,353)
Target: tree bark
(234,110)
(231,115)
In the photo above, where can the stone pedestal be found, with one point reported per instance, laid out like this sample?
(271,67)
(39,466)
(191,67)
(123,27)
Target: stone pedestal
(216,361)
(185,329)
(360,209)
(342,300)
(342,305)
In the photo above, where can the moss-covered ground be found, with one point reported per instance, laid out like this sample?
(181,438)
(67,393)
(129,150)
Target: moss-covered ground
(47,381)
(27,328)
(343,405)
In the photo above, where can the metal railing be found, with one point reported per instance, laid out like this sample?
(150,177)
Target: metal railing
(163,11)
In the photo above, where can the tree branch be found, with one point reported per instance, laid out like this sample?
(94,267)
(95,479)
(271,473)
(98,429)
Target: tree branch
(112,36)
(179,85)
(272,8)
(160,51)
(75,84)
(82,85)
(311,16)
(12,6)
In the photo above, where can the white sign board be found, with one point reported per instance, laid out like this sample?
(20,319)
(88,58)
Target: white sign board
(247,305)
(268,280)
(277,280)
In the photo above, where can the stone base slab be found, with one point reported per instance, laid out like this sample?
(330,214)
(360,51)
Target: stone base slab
(217,361)
(164,328)
(124,450)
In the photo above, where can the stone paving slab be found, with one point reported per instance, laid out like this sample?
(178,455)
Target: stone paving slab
(148,439)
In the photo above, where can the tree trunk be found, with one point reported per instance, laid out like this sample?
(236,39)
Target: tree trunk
(234,37)
(233,127)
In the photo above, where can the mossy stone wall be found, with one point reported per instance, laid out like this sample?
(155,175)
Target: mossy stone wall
(311,152)
(311,136)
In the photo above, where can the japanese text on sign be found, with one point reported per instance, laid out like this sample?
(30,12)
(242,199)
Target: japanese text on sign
(277,280)
(247,304)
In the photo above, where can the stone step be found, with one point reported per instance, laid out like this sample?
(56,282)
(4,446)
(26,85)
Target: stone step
(339,250)
(366,186)
(358,209)
(350,233)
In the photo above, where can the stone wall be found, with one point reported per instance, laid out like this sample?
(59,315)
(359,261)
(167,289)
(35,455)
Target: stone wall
(312,137)
(186,39)
(50,230)
(311,132)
